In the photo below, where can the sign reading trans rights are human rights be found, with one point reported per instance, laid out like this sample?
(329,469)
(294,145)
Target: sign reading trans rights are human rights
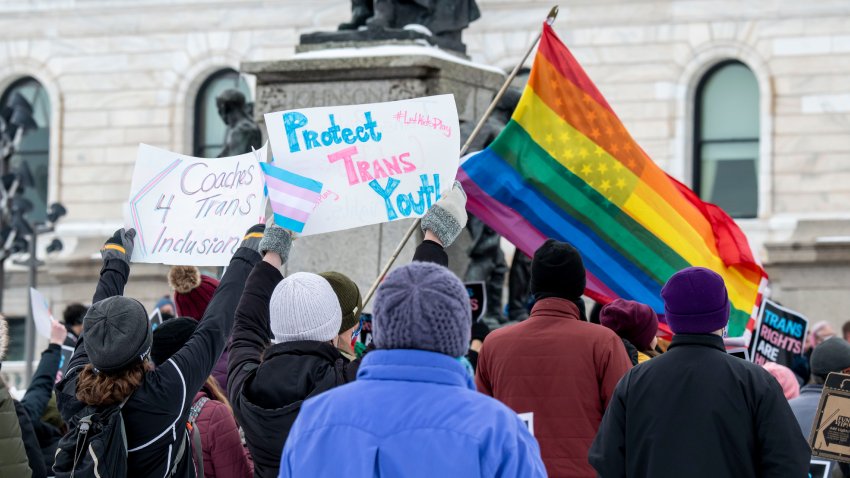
(377,162)
(779,335)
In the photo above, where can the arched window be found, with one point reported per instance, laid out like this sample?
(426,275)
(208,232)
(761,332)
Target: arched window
(726,146)
(34,149)
(209,127)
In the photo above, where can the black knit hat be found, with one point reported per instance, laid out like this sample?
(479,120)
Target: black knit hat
(557,271)
(170,337)
(117,333)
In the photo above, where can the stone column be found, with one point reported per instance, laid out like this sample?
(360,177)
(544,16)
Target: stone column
(369,75)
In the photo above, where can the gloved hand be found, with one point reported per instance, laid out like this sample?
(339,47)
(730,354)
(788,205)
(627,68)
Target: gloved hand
(447,218)
(277,239)
(119,246)
(253,237)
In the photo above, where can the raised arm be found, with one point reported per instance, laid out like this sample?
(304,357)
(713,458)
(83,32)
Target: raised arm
(198,356)
(442,224)
(41,386)
(251,332)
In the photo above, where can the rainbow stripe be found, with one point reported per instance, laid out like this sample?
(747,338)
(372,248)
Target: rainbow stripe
(565,167)
(293,197)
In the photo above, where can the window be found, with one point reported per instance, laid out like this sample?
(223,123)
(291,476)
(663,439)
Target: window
(209,127)
(34,150)
(726,146)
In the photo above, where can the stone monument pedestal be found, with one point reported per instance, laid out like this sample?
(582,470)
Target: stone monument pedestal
(370,75)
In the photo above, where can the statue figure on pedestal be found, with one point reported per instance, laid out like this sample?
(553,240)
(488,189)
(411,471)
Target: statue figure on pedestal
(242,132)
(443,18)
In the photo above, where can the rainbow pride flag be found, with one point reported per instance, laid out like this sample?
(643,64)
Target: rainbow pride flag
(565,167)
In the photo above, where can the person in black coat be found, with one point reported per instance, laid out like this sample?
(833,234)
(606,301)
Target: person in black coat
(697,411)
(111,362)
(282,351)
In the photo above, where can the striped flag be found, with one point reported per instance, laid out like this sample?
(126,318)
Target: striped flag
(293,197)
(565,167)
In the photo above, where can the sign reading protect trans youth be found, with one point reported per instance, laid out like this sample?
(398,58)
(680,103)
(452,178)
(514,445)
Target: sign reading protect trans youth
(377,162)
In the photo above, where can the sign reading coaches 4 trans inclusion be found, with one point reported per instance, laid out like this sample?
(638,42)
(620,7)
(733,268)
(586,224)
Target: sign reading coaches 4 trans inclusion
(376,162)
(193,211)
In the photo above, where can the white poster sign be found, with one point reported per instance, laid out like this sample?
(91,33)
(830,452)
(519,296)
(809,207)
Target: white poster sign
(193,211)
(41,313)
(376,162)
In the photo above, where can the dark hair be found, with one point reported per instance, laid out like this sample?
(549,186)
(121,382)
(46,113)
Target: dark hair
(98,388)
(74,314)
(845,329)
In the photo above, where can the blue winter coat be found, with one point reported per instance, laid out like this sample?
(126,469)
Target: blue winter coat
(410,413)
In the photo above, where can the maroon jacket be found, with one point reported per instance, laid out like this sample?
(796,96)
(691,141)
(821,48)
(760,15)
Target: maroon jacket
(561,369)
(224,455)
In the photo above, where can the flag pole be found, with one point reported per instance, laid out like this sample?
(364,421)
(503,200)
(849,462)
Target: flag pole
(550,19)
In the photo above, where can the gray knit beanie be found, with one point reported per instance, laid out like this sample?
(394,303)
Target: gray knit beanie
(117,333)
(304,307)
(422,306)
(833,355)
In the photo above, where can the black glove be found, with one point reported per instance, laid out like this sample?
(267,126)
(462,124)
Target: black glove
(119,246)
(253,237)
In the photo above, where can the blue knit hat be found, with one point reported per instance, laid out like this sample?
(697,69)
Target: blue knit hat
(422,306)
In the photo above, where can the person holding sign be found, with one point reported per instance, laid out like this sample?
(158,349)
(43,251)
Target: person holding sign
(284,349)
(697,411)
(111,368)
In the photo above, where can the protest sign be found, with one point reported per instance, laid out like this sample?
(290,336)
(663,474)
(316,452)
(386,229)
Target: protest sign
(193,211)
(830,436)
(155,319)
(40,313)
(477,299)
(64,361)
(820,468)
(376,163)
(779,335)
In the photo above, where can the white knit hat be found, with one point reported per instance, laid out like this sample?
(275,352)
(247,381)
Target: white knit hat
(304,307)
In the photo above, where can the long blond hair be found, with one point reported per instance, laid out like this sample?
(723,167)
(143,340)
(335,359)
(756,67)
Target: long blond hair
(217,394)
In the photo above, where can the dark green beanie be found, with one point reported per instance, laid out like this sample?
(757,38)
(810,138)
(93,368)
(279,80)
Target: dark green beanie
(349,298)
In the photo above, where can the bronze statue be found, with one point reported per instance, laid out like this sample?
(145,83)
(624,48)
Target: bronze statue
(242,132)
(445,19)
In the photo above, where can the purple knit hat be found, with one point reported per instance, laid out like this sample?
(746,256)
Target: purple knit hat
(695,301)
(422,306)
(632,321)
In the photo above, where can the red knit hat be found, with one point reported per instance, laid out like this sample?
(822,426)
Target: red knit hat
(632,321)
(192,291)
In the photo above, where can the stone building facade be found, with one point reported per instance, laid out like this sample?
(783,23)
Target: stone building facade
(118,73)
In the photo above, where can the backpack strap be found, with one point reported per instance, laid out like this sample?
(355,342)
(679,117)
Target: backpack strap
(192,426)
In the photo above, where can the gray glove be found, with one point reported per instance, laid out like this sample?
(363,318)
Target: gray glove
(119,246)
(277,239)
(253,237)
(447,217)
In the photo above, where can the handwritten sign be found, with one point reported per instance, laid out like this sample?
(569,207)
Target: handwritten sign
(477,299)
(193,211)
(41,313)
(377,162)
(830,436)
(779,335)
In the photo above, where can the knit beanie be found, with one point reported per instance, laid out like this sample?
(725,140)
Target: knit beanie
(833,355)
(170,337)
(304,307)
(632,321)
(422,306)
(117,333)
(786,378)
(695,301)
(557,271)
(192,290)
(349,298)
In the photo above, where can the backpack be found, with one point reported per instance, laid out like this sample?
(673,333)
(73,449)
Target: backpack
(95,445)
(193,431)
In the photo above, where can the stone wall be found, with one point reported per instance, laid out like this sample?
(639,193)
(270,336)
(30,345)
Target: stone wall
(123,72)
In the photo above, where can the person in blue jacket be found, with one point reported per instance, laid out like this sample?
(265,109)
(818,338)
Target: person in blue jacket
(413,410)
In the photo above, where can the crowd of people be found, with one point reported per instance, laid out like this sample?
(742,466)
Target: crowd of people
(264,375)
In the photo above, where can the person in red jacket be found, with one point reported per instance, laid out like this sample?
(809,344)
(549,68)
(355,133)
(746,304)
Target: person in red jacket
(555,366)
(221,444)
